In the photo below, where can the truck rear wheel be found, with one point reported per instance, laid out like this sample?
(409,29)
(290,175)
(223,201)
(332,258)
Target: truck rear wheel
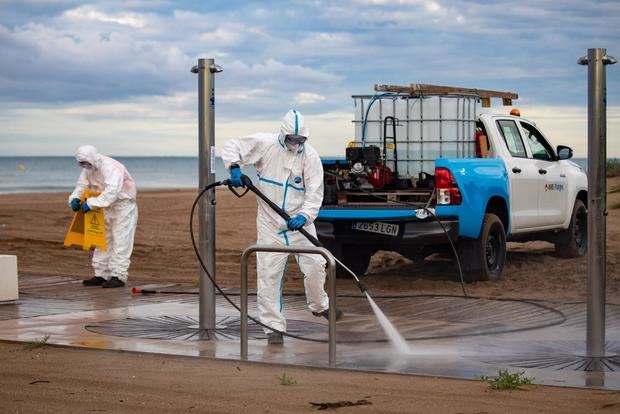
(573,242)
(484,258)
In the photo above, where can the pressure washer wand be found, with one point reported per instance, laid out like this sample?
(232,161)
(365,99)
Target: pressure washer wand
(248,183)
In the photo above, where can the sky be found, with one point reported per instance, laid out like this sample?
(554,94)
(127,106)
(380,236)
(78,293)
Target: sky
(116,74)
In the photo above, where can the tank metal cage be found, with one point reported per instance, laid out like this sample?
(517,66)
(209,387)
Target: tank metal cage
(431,122)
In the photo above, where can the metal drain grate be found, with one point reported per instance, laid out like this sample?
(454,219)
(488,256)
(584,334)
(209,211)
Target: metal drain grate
(186,328)
(416,318)
(558,355)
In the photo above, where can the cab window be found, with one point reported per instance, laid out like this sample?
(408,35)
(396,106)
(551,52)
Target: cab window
(541,150)
(512,138)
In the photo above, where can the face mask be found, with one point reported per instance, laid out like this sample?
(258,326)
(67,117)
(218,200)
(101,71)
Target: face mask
(292,147)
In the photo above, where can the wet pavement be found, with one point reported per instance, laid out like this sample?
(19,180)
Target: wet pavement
(448,335)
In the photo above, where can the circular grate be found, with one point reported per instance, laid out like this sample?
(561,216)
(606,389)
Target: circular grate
(186,328)
(558,355)
(416,318)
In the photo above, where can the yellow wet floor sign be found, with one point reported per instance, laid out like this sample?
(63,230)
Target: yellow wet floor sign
(87,229)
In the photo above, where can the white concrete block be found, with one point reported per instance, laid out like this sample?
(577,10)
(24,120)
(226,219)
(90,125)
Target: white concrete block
(8,278)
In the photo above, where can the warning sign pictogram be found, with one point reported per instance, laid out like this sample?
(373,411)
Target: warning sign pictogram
(91,235)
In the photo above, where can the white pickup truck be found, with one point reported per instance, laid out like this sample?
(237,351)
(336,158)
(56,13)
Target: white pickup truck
(494,178)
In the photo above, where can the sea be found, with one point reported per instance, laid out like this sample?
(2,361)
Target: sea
(59,174)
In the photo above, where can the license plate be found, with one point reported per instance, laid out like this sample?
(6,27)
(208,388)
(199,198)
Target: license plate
(377,227)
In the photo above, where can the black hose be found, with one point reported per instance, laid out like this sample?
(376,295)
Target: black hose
(204,267)
(283,215)
(250,185)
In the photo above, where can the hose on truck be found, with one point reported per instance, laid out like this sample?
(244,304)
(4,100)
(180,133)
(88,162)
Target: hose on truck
(431,213)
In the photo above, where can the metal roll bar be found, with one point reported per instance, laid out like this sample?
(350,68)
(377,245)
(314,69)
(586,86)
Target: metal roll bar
(331,272)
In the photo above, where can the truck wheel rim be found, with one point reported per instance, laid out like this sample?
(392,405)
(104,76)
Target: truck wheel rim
(492,249)
(580,229)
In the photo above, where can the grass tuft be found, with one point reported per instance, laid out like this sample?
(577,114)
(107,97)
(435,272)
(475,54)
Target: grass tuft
(613,167)
(507,381)
(37,343)
(286,380)
(615,206)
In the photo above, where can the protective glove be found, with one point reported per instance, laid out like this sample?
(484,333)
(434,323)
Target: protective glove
(296,222)
(235,176)
(75,204)
(85,208)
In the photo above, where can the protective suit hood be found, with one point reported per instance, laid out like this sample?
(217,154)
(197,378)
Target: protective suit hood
(295,124)
(89,154)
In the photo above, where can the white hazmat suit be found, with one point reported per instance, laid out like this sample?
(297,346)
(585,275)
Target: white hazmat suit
(291,177)
(118,198)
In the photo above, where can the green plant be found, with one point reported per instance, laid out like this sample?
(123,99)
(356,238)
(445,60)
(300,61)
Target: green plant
(615,189)
(286,380)
(507,381)
(37,343)
(613,167)
(615,206)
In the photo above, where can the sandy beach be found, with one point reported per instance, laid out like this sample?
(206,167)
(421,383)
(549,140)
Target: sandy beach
(33,227)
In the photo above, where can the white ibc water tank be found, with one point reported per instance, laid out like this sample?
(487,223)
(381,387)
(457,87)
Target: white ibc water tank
(427,128)
(8,279)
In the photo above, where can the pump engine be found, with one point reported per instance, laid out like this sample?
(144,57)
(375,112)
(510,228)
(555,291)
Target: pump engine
(365,163)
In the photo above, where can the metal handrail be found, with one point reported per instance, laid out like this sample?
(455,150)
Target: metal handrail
(331,271)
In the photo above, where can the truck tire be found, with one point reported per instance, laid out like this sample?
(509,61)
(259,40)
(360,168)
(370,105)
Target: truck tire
(573,242)
(484,258)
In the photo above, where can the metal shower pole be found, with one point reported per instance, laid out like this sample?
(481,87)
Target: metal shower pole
(206,70)
(596,59)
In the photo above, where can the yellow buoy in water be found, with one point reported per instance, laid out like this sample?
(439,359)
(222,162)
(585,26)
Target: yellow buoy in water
(22,167)
(87,229)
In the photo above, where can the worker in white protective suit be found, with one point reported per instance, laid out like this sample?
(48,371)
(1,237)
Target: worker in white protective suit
(118,199)
(290,174)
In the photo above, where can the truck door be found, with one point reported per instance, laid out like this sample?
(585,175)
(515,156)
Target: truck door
(553,194)
(523,178)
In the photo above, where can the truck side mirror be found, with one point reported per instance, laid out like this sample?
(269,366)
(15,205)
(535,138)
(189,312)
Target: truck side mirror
(564,152)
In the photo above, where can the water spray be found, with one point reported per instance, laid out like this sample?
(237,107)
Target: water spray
(395,337)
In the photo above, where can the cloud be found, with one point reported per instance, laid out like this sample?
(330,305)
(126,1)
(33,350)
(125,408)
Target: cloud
(568,125)
(168,125)
(306,98)
(88,13)
(119,69)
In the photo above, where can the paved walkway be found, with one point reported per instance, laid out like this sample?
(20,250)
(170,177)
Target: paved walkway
(448,336)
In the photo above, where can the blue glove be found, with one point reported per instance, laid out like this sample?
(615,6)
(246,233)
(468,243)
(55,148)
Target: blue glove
(235,176)
(85,207)
(296,222)
(75,204)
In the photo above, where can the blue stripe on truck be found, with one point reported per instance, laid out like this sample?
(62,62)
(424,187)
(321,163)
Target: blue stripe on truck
(359,214)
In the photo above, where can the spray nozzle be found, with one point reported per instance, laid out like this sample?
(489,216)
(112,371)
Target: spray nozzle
(135,291)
